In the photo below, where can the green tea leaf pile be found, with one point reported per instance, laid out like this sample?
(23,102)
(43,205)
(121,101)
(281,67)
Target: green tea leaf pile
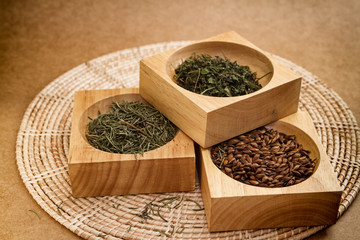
(215,76)
(130,128)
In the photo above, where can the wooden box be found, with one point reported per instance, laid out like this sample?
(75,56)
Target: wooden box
(97,173)
(210,120)
(232,205)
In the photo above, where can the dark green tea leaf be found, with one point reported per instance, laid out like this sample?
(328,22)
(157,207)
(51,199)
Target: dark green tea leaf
(215,76)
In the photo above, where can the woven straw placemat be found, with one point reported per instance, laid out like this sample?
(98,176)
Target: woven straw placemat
(42,150)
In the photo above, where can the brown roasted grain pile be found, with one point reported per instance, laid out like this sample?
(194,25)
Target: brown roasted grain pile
(264,157)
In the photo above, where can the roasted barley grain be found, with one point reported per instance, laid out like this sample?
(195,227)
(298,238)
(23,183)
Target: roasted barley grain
(264,157)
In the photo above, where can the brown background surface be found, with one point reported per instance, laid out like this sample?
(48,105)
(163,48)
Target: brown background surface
(40,40)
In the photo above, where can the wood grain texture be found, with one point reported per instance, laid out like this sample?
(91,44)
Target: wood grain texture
(42,39)
(232,205)
(198,115)
(97,173)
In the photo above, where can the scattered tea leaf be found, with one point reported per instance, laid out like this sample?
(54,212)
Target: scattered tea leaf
(116,206)
(180,230)
(162,233)
(155,209)
(196,209)
(37,214)
(171,232)
(221,152)
(179,203)
(197,227)
(129,228)
(59,209)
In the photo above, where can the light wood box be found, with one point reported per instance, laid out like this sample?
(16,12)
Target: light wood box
(97,173)
(232,205)
(210,120)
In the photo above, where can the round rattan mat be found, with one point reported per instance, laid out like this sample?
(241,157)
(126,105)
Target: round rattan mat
(43,144)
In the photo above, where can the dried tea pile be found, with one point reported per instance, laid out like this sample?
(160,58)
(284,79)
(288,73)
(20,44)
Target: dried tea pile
(216,77)
(130,127)
(264,157)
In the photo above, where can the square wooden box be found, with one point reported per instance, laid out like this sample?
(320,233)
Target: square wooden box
(232,205)
(97,173)
(210,120)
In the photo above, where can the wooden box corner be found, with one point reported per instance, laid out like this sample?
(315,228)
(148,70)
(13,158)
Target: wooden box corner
(232,205)
(97,173)
(210,120)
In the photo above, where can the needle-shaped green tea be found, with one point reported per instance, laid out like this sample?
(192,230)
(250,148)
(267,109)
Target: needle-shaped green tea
(130,128)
